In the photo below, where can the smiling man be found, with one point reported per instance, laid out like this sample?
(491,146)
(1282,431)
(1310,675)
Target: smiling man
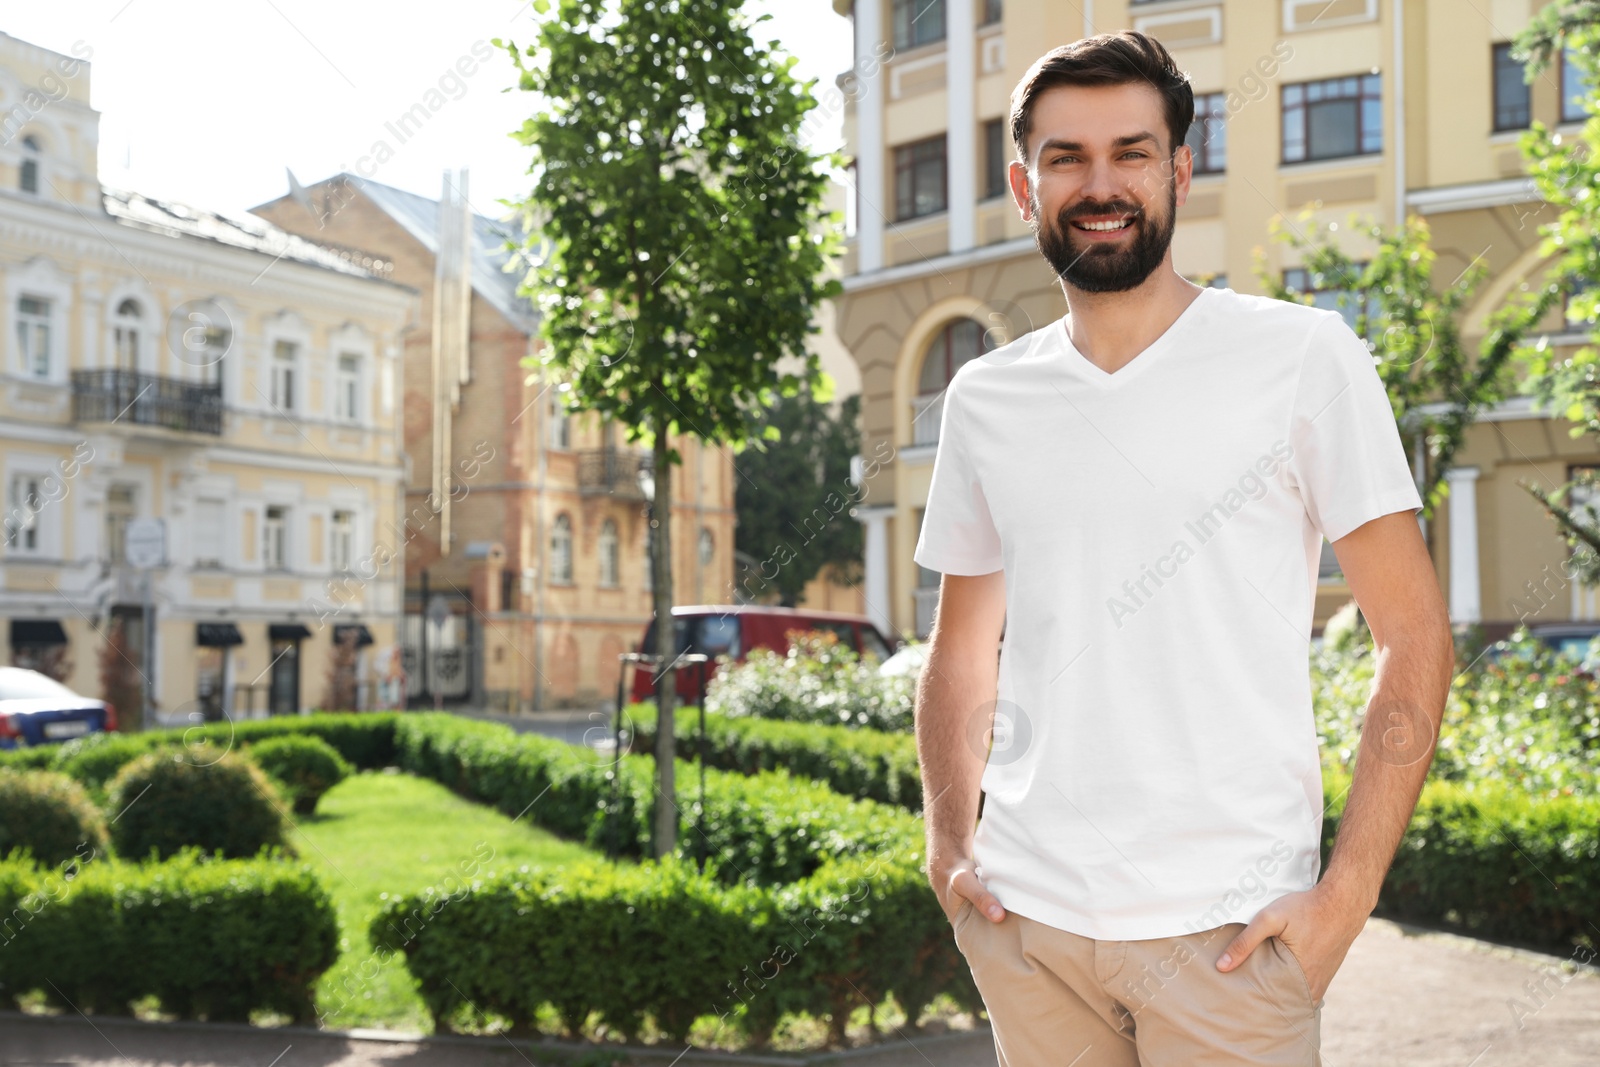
(1136,495)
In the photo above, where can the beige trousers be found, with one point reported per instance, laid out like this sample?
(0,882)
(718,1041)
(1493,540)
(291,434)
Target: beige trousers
(1057,999)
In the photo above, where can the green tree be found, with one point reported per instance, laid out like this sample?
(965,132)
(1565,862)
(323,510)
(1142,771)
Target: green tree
(794,497)
(1413,327)
(675,253)
(1567,174)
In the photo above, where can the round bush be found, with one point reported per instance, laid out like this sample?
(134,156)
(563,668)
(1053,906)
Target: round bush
(165,800)
(306,766)
(50,815)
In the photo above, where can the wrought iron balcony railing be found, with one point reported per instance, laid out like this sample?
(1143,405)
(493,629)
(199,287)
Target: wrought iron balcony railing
(146,400)
(612,470)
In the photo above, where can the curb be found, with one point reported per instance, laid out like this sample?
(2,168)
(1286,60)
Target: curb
(560,1050)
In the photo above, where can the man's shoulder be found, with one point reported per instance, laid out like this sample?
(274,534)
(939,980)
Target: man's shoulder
(1271,313)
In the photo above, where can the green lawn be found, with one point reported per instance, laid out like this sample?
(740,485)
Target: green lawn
(379,832)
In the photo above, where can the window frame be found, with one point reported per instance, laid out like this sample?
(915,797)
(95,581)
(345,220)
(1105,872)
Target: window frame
(905,36)
(562,565)
(996,158)
(43,325)
(1362,97)
(347,406)
(22,539)
(342,540)
(275,537)
(282,389)
(1566,66)
(1210,108)
(29,171)
(1349,311)
(1497,69)
(906,162)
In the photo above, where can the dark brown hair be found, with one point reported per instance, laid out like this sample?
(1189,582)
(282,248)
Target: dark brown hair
(1105,59)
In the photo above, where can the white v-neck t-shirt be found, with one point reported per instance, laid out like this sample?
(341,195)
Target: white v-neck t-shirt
(1154,769)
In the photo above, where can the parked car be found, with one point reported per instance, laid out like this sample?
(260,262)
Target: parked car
(35,709)
(1570,640)
(735,629)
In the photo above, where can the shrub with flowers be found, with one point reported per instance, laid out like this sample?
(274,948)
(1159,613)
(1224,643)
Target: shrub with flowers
(819,681)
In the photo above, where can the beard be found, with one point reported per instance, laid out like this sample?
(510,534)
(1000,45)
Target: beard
(1105,268)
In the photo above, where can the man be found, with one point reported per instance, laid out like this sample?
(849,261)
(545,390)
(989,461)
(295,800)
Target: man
(1139,493)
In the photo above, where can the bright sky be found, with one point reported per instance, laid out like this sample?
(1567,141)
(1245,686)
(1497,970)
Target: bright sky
(208,102)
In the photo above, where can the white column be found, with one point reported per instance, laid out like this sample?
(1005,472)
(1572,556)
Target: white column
(1466,603)
(869,136)
(961,136)
(875,563)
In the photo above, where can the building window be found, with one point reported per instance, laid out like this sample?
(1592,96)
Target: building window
(275,540)
(1332,297)
(959,342)
(23,504)
(1511,90)
(993,11)
(125,335)
(920,179)
(341,548)
(1573,91)
(122,507)
(28,176)
(918,22)
(559,424)
(33,336)
(610,555)
(1332,119)
(209,535)
(285,354)
(707,547)
(995,158)
(347,399)
(561,551)
(1208,134)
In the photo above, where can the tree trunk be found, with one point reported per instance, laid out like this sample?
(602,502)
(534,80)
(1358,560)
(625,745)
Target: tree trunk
(666,808)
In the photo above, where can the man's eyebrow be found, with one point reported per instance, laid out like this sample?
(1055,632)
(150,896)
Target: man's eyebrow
(1124,141)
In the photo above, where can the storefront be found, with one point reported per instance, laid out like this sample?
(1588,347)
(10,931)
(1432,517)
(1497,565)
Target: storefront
(214,643)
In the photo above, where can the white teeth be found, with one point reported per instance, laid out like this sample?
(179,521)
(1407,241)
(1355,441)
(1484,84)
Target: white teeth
(1104,225)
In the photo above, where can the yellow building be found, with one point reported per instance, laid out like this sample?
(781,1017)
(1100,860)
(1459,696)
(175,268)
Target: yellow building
(1336,107)
(233,382)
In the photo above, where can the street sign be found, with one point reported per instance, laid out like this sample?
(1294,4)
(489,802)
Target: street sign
(145,543)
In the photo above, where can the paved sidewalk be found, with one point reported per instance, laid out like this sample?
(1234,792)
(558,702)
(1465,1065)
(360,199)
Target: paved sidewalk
(1404,998)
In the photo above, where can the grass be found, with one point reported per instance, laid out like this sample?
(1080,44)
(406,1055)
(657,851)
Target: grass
(381,832)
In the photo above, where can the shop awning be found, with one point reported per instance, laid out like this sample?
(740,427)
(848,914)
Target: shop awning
(217,635)
(363,635)
(287,631)
(36,632)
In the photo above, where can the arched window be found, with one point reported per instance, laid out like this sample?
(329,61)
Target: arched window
(28,177)
(957,343)
(707,546)
(609,554)
(561,551)
(125,335)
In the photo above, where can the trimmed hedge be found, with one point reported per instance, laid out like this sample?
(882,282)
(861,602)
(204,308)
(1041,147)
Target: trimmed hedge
(364,739)
(165,803)
(305,766)
(49,815)
(810,900)
(1492,862)
(869,764)
(211,938)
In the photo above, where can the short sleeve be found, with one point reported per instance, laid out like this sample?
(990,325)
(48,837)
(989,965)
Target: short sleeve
(958,535)
(1348,460)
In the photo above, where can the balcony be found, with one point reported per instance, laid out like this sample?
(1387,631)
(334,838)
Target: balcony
(612,472)
(146,400)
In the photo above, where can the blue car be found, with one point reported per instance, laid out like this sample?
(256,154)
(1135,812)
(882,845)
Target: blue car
(38,710)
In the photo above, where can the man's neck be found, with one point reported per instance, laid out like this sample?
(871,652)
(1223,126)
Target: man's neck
(1111,329)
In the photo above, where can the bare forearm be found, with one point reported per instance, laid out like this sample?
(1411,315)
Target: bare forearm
(1397,743)
(954,712)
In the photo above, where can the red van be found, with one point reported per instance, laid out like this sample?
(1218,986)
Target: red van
(735,629)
